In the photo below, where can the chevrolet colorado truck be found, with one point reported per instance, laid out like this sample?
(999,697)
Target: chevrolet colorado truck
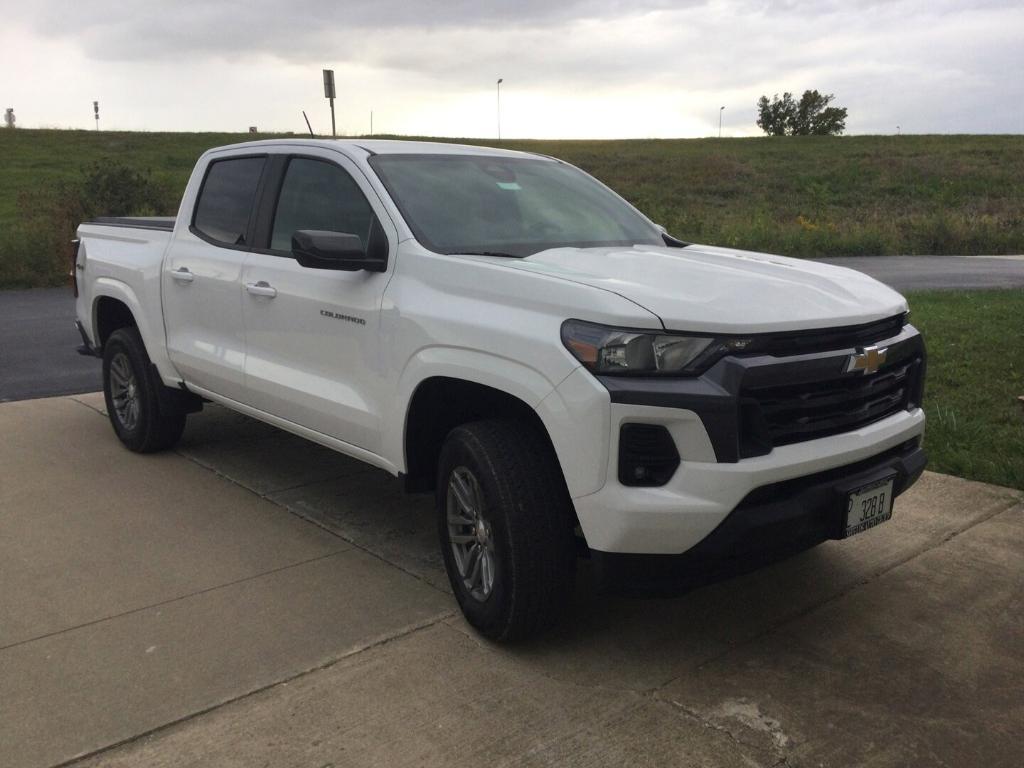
(505,331)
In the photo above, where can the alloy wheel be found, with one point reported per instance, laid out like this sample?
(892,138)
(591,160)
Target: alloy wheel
(124,391)
(470,534)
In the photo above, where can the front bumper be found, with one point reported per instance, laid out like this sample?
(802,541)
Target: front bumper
(676,517)
(770,522)
(731,441)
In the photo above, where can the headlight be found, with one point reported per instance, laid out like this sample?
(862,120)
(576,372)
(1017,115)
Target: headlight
(607,350)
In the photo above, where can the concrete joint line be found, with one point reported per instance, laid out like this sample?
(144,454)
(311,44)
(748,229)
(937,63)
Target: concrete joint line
(170,600)
(369,645)
(74,398)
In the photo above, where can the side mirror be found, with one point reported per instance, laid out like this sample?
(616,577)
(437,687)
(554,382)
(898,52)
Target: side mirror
(320,249)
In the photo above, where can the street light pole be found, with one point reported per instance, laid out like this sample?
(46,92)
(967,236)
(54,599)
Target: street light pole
(720,111)
(500,81)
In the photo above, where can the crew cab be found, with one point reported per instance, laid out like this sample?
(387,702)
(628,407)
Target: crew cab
(501,329)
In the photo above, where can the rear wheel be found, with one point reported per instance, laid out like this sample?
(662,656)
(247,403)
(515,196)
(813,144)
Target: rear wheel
(146,415)
(506,528)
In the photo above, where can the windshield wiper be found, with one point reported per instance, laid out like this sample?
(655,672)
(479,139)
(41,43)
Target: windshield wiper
(488,253)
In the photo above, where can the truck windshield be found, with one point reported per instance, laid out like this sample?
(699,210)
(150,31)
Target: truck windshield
(502,206)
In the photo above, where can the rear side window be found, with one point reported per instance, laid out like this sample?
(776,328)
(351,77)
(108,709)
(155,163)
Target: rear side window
(226,199)
(320,195)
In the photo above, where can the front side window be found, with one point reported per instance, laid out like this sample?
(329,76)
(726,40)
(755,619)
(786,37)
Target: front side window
(320,195)
(507,206)
(226,199)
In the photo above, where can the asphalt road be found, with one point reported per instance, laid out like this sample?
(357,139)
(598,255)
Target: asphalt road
(927,273)
(37,346)
(38,337)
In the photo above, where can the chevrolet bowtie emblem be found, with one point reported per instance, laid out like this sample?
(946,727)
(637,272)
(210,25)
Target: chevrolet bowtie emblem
(868,360)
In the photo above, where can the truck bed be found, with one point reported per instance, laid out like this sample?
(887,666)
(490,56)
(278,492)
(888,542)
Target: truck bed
(165,223)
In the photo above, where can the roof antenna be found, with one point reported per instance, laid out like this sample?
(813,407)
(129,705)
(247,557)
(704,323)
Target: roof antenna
(308,125)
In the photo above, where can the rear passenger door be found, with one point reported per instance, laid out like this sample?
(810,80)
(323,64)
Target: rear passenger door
(312,335)
(201,278)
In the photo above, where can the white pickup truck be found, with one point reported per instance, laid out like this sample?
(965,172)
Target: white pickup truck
(502,329)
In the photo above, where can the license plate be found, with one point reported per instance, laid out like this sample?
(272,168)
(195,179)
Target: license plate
(868,506)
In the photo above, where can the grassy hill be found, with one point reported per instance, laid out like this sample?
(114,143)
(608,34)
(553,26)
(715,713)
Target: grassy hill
(803,196)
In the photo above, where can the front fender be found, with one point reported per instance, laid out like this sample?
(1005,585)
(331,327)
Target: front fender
(576,419)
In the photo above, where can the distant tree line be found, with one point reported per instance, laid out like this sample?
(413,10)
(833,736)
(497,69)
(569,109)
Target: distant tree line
(811,116)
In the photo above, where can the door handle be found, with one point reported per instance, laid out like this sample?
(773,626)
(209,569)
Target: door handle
(183,275)
(262,288)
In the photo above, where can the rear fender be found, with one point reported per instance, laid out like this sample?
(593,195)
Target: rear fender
(150,329)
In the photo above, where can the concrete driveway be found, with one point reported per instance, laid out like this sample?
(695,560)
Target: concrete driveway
(252,599)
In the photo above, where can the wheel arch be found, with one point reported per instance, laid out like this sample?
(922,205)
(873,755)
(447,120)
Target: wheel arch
(116,305)
(440,403)
(110,314)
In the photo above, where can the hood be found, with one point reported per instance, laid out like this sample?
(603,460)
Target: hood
(708,289)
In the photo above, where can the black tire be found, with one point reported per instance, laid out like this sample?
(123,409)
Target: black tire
(528,528)
(158,416)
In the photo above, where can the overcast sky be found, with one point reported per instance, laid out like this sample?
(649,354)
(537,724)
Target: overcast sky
(572,68)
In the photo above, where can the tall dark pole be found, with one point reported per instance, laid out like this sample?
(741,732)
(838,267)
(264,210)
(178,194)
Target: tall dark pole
(96,112)
(500,81)
(720,111)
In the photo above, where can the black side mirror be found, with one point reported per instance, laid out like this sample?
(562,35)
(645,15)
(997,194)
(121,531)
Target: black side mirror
(319,249)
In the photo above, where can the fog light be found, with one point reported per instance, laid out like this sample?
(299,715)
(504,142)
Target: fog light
(647,455)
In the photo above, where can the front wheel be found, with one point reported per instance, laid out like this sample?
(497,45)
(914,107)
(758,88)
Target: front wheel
(146,415)
(505,524)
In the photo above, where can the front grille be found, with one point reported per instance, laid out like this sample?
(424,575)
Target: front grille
(825,339)
(793,413)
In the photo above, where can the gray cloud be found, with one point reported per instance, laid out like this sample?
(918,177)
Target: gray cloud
(110,29)
(933,64)
(307,29)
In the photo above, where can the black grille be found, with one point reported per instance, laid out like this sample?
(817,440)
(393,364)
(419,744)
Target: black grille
(823,340)
(796,412)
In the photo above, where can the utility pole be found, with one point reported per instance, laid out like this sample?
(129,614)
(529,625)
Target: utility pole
(371,122)
(96,113)
(500,81)
(329,94)
(720,111)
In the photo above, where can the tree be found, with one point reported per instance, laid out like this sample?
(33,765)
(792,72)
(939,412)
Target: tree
(811,116)
(776,116)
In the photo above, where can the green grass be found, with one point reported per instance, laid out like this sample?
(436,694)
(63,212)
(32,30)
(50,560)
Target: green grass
(975,375)
(799,196)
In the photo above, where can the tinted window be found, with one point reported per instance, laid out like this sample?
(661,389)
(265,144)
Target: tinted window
(226,199)
(320,195)
(507,205)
